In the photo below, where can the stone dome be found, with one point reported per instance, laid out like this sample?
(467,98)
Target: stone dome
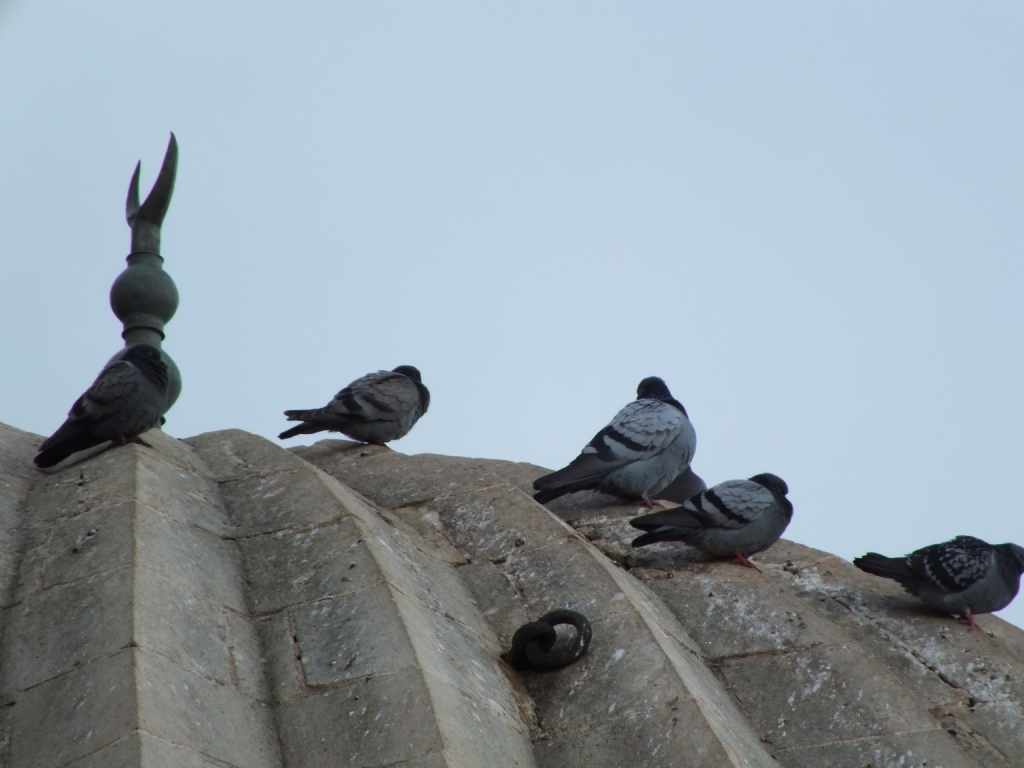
(223,602)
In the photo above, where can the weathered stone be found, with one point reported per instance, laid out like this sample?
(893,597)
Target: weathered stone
(298,565)
(425,523)
(1001,723)
(16,475)
(495,595)
(561,751)
(108,577)
(455,656)
(280,642)
(75,714)
(175,622)
(180,494)
(352,636)
(431,761)
(646,740)
(17,448)
(91,543)
(394,480)
(829,665)
(486,734)
(821,695)
(231,454)
(247,657)
(553,567)
(412,571)
(192,556)
(556,577)
(385,605)
(68,491)
(12,544)
(182,707)
(955,668)
(370,721)
(274,502)
(65,627)
(906,750)
(493,523)
(143,749)
(28,580)
(734,611)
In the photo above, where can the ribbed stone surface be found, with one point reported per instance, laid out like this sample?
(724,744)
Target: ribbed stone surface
(832,665)
(825,665)
(127,642)
(16,475)
(643,695)
(225,603)
(378,655)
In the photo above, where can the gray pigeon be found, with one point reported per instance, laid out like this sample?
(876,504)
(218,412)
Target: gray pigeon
(377,408)
(127,398)
(965,575)
(644,448)
(737,517)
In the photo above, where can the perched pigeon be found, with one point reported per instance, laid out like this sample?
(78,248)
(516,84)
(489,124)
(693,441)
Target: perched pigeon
(644,448)
(377,408)
(127,398)
(965,576)
(737,517)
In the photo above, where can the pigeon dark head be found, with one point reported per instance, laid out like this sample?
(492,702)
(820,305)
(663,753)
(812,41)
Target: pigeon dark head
(1014,555)
(148,359)
(409,370)
(653,388)
(773,483)
(412,372)
(138,353)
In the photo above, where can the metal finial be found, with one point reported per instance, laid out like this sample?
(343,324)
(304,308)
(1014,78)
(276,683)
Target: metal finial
(146,219)
(143,296)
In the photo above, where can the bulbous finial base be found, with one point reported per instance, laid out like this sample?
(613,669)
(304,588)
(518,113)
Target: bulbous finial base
(143,296)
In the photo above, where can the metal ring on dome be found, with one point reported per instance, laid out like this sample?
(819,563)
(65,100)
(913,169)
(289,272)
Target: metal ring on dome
(532,643)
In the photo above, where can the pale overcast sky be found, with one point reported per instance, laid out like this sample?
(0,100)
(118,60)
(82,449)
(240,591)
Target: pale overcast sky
(807,218)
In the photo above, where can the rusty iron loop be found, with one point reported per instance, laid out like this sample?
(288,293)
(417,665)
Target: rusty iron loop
(532,643)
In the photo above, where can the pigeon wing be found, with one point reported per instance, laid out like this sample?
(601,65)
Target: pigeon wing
(109,393)
(380,396)
(105,397)
(732,504)
(642,429)
(953,565)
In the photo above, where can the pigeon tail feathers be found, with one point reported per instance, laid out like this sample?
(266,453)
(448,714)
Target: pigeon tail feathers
(895,568)
(689,536)
(302,429)
(583,473)
(62,444)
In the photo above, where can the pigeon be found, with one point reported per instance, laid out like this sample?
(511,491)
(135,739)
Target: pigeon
(127,398)
(644,448)
(965,575)
(737,517)
(377,408)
